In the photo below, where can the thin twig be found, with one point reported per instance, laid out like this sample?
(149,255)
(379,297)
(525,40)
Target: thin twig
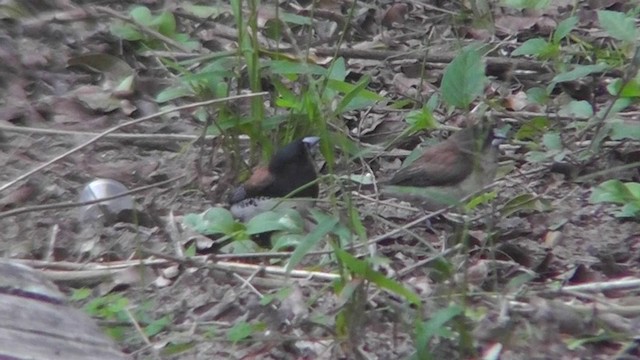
(65,205)
(118,127)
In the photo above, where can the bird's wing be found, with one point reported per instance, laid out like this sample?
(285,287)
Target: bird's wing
(260,179)
(442,164)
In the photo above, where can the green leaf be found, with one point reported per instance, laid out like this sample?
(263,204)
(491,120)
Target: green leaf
(526,203)
(325,224)
(618,25)
(213,221)
(185,40)
(617,192)
(630,210)
(527,4)
(175,348)
(533,128)
(290,221)
(631,89)
(351,95)
(579,72)
(286,67)
(338,70)
(552,141)
(614,191)
(564,28)
(535,46)
(141,15)
(422,119)
(240,331)
(126,31)
(202,11)
(165,23)
(578,109)
(174,92)
(80,294)
(285,241)
(435,326)
(364,98)
(538,95)
(464,79)
(362,269)
(484,198)
(156,326)
(296,19)
(624,130)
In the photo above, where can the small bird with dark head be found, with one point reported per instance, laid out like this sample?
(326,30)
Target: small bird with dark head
(291,171)
(447,172)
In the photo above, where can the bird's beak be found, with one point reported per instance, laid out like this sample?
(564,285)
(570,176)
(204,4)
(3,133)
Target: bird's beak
(311,141)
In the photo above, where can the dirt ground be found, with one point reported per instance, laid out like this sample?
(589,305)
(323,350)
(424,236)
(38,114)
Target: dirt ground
(517,279)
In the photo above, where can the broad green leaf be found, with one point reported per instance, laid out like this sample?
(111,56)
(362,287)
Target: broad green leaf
(579,72)
(284,67)
(617,192)
(202,11)
(614,191)
(538,95)
(564,28)
(579,109)
(531,47)
(464,79)
(275,221)
(338,70)
(631,89)
(296,19)
(126,31)
(142,15)
(285,241)
(624,130)
(213,221)
(533,128)
(618,25)
(552,141)
(156,326)
(186,41)
(165,23)
(240,331)
(174,92)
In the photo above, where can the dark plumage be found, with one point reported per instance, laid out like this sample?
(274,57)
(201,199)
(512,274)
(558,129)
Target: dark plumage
(290,169)
(448,171)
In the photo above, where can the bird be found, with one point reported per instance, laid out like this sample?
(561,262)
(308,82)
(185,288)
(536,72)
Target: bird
(449,171)
(290,173)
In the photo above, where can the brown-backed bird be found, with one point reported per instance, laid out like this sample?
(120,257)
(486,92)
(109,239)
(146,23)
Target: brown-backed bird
(448,171)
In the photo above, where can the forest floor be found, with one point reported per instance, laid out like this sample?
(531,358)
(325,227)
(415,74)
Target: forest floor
(545,271)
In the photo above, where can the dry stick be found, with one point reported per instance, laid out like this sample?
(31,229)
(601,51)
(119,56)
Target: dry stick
(116,136)
(136,325)
(445,58)
(116,128)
